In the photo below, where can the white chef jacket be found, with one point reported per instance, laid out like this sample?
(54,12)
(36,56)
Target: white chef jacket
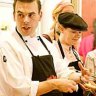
(16,64)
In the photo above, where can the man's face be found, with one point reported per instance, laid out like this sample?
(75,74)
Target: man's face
(27,17)
(71,36)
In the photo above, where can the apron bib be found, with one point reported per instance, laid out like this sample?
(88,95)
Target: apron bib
(43,69)
(44,65)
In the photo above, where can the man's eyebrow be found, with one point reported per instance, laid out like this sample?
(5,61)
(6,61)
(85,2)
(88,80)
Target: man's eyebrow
(19,12)
(31,12)
(28,13)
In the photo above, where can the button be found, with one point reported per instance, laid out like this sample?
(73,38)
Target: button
(4,59)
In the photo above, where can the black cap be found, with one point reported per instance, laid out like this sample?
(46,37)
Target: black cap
(73,21)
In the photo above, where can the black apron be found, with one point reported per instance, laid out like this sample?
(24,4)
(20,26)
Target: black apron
(75,64)
(43,67)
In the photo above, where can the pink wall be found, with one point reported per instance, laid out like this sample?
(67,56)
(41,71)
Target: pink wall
(88,13)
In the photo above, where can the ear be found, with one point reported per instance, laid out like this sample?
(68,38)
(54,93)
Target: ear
(40,15)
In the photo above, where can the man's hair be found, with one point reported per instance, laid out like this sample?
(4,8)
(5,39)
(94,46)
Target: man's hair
(27,1)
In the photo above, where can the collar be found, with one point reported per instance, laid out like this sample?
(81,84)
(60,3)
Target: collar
(66,47)
(26,38)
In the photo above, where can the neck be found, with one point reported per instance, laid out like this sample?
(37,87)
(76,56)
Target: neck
(32,35)
(27,35)
(63,42)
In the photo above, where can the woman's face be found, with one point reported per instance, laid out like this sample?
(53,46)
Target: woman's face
(70,36)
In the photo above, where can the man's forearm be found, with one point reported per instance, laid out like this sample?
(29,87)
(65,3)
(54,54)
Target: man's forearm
(45,87)
(62,85)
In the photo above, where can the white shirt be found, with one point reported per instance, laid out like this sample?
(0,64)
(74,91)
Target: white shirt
(16,65)
(68,52)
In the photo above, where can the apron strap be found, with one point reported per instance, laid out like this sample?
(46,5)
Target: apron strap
(44,44)
(61,49)
(24,42)
(76,55)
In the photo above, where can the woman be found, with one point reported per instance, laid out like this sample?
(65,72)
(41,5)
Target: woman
(70,26)
(60,8)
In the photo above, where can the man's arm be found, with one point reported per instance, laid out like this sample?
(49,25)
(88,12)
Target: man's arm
(63,85)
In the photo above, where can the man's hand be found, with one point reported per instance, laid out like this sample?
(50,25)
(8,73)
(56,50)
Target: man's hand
(65,85)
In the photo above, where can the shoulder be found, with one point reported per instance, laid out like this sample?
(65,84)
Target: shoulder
(50,46)
(91,58)
(47,37)
(7,41)
(92,53)
(44,39)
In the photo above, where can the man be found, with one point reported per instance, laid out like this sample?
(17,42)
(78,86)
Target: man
(25,60)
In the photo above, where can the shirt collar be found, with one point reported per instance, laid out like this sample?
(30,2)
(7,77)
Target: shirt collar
(69,48)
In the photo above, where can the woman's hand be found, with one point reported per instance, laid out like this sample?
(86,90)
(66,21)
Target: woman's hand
(84,71)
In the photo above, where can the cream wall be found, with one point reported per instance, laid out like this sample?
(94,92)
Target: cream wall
(77,6)
(6,15)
